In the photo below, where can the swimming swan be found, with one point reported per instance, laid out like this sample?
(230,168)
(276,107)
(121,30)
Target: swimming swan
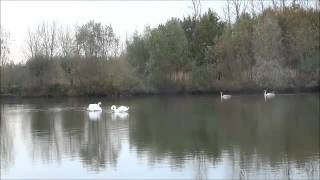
(225,96)
(94,107)
(268,95)
(119,109)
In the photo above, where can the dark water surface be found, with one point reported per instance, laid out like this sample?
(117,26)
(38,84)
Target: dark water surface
(162,137)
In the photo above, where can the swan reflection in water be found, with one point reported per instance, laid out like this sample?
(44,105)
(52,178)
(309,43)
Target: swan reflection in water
(94,115)
(119,116)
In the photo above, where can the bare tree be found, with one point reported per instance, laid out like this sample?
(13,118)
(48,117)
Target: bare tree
(4,53)
(65,42)
(239,6)
(42,41)
(262,5)
(305,3)
(294,2)
(196,4)
(33,44)
(253,7)
(283,4)
(4,50)
(275,4)
(43,32)
(108,42)
(227,12)
(116,47)
(49,38)
(53,39)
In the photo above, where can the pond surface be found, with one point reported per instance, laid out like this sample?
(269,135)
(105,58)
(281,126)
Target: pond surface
(189,137)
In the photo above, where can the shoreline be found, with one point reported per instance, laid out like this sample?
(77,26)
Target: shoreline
(171,93)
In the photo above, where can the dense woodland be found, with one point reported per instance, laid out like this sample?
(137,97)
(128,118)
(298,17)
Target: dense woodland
(254,47)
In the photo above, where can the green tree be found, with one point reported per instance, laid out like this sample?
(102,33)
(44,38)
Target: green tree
(138,52)
(168,46)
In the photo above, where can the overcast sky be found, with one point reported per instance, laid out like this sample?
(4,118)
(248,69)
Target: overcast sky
(124,16)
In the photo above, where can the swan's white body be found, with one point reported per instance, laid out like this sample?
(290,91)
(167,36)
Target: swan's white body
(225,96)
(94,107)
(268,95)
(120,109)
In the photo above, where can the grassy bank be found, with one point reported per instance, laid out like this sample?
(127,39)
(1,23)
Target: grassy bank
(241,91)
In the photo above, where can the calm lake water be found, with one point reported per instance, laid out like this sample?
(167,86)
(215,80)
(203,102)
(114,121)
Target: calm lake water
(162,137)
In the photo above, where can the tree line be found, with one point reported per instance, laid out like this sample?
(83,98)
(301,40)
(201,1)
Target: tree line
(275,47)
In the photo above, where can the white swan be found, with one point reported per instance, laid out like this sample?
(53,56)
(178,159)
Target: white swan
(225,96)
(94,107)
(120,109)
(268,95)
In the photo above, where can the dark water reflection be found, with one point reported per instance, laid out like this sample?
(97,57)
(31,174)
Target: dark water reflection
(163,137)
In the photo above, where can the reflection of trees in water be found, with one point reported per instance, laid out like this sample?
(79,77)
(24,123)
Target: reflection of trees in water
(278,135)
(102,143)
(201,166)
(49,140)
(312,167)
(164,131)
(72,134)
(256,134)
(6,140)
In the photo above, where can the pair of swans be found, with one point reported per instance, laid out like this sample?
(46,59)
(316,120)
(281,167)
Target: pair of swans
(266,95)
(95,111)
(97,107)
(96,115)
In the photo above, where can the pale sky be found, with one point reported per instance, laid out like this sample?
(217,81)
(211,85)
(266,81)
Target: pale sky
(124,16)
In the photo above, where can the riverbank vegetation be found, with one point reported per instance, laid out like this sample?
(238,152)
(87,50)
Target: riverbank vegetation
(274,47)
